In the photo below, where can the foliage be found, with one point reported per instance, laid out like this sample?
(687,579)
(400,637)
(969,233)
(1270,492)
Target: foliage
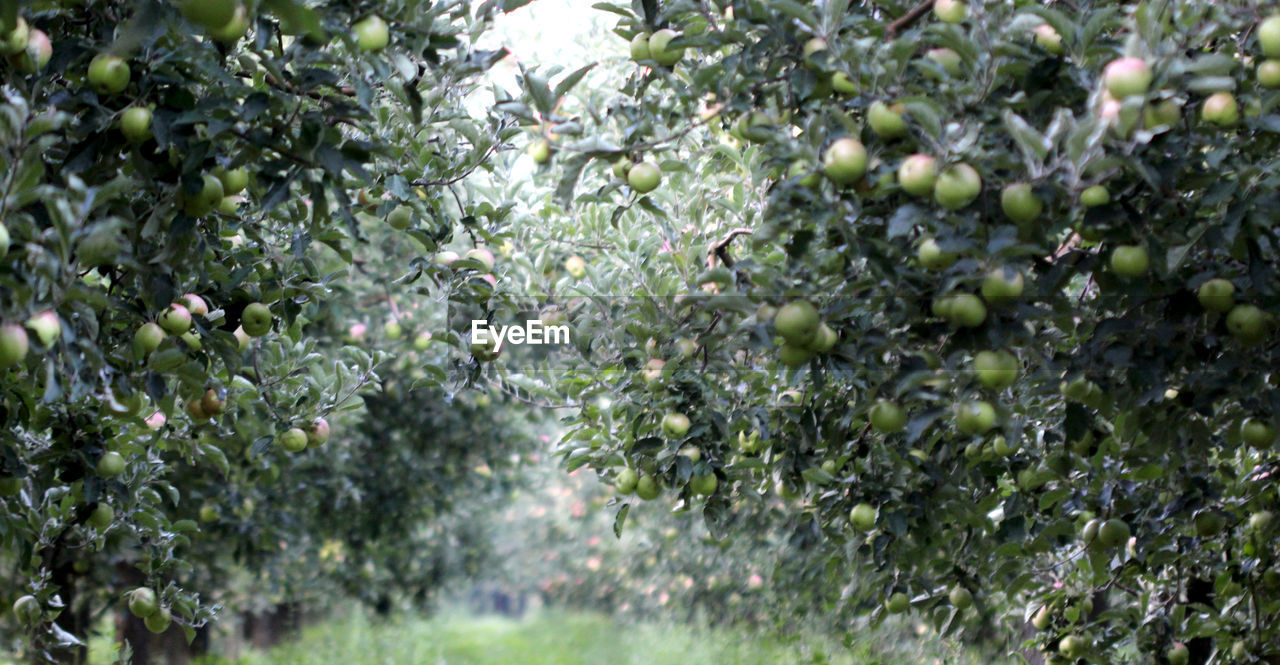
(1129,387)
(109,220)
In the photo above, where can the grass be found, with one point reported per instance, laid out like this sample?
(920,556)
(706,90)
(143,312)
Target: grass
(552,638)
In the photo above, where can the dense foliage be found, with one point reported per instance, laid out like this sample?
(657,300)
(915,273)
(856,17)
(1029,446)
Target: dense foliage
(983,293)
(179,231)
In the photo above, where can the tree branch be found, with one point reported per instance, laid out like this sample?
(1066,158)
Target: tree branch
(905,21)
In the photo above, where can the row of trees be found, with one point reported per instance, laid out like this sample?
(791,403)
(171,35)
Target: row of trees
(983,293)
(192,215)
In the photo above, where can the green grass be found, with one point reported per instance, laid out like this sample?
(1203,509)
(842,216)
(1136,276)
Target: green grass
(552,638)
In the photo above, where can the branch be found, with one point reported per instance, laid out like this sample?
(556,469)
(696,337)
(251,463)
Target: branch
(449,181)
(721,247)
(907,19)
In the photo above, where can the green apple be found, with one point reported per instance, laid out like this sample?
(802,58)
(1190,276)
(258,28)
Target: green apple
(756,127)
(209,513)
(203,202)
(975,417)
(17,39)
(209,13)
(1048,39)
(644,177)
(256,319)
(46,327)
(1113,533)
(897,603)
(318,433)
(1262,520)
(233,181)
(947,58)
(110,465)
(957,186)
(242,338)
(621,167)
(392,329)
(640,47)
(142,602)
(26,609)
(1178,654)
(195,409)
(1020,203)
(950,11)
(863,517)
(229,205)
(1095,196)
(966,310)
(996,370)
(626,481)
(704,485)
(931,257)
(1002,286)
(824,340)
(1269,36)
(540,151)
(1130,261)
(1247,324)
(400,218)
(1221,109)
(371,33)
(576,267)
(845,161)
(1042,619)
(1124,77)
(293,440)
(236,28)
(102,516)
(1258,433)
(887,417)
(811,47)
(1217,295)
(1003,447)
(797,322)
(1162,113)
(660,49)
(176,319)
(135,124)
(37,54)
(794,355)
(159,621)
(675,425)
(108,74)
(1208,523)
(841,83)
(1269,74)
(917,174)
(886,121)
(4,240)
(960,597)
(648,488)
(1072,647)
(147,338)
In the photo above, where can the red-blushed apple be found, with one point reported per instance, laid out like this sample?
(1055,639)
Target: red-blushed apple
(1127,76)
(176,319)
(46,327)
(318,433)
(1047,38)
(1221,109)
(917,174)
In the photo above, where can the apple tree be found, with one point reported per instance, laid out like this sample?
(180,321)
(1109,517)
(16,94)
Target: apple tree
(176,211)
(986,289)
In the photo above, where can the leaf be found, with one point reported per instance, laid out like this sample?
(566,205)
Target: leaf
(620,519)
(571,170)
(566,84)
(540,92)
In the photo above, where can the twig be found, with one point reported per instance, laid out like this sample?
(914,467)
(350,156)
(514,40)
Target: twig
(907,19)
(449,181)
(721,247)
